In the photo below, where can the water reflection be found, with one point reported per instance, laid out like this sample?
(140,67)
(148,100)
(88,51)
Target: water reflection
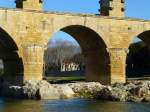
(20,106)
(75,105)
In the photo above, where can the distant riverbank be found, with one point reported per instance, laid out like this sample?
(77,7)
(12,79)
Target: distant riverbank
(134,91)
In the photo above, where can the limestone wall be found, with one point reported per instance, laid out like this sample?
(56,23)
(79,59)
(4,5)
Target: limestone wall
(32,29)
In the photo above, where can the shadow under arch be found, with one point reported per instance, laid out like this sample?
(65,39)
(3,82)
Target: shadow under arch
(145,37)
(138,57)
(94,50)
(13,64)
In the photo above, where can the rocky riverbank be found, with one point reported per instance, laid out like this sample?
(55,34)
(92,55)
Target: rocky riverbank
(135,91)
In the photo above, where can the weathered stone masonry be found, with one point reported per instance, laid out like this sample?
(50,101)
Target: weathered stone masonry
(25,31)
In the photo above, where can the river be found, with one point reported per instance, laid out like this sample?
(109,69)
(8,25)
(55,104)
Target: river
(73,105)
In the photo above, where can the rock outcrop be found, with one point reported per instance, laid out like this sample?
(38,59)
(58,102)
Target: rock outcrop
(86,89)
(136,91)
(40,90)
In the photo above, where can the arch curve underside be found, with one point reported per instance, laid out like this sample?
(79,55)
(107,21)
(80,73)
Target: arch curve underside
(95,52)
(13,65)
(138,60)
(145,37)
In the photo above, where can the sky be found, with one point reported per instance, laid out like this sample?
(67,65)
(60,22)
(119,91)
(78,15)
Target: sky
(134,9)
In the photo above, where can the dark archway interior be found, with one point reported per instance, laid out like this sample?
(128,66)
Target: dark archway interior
(94,50)
(138,59)
(13,65)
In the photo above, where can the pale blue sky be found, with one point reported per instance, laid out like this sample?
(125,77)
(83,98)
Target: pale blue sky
(134,8)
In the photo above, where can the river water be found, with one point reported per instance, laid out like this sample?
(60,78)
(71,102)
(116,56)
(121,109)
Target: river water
(73,105)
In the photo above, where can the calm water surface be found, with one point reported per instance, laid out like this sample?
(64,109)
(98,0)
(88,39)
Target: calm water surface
(74,105)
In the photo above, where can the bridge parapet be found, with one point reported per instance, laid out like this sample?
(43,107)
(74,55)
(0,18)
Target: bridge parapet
(29,4)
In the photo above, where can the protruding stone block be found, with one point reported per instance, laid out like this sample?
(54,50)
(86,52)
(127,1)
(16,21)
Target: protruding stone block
(29,4)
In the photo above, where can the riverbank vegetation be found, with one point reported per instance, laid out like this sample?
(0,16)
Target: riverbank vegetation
(65,79)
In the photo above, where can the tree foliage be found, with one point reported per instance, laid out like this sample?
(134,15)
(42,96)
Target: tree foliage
(59,52)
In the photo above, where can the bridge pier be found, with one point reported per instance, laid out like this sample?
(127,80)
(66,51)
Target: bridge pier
(33,62)
(97,66)
(117,64)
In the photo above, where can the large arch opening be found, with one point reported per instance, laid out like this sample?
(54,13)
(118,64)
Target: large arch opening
(12,63)
(94,51)
(138,58)
(64,61)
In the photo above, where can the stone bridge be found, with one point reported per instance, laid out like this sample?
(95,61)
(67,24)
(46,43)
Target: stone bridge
(104,39)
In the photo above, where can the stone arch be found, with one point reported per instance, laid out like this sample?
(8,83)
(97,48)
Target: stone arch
(78,31)
(138,34)
(95,51)
(13,65)
(145,37)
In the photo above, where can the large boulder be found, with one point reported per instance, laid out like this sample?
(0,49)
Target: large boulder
(142,89)
(30,89)
(86,89)
(146,99)
(134,99)
(129,86)
(118,94)
(104,94)
(65,91)
(40,89)
(48,92)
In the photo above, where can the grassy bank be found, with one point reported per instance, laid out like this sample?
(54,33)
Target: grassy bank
(64,79)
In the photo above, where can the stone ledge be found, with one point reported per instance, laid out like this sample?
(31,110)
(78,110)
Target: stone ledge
(76,14)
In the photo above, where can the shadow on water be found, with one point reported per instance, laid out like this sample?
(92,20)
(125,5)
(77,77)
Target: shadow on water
(73,105)
(11,105)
